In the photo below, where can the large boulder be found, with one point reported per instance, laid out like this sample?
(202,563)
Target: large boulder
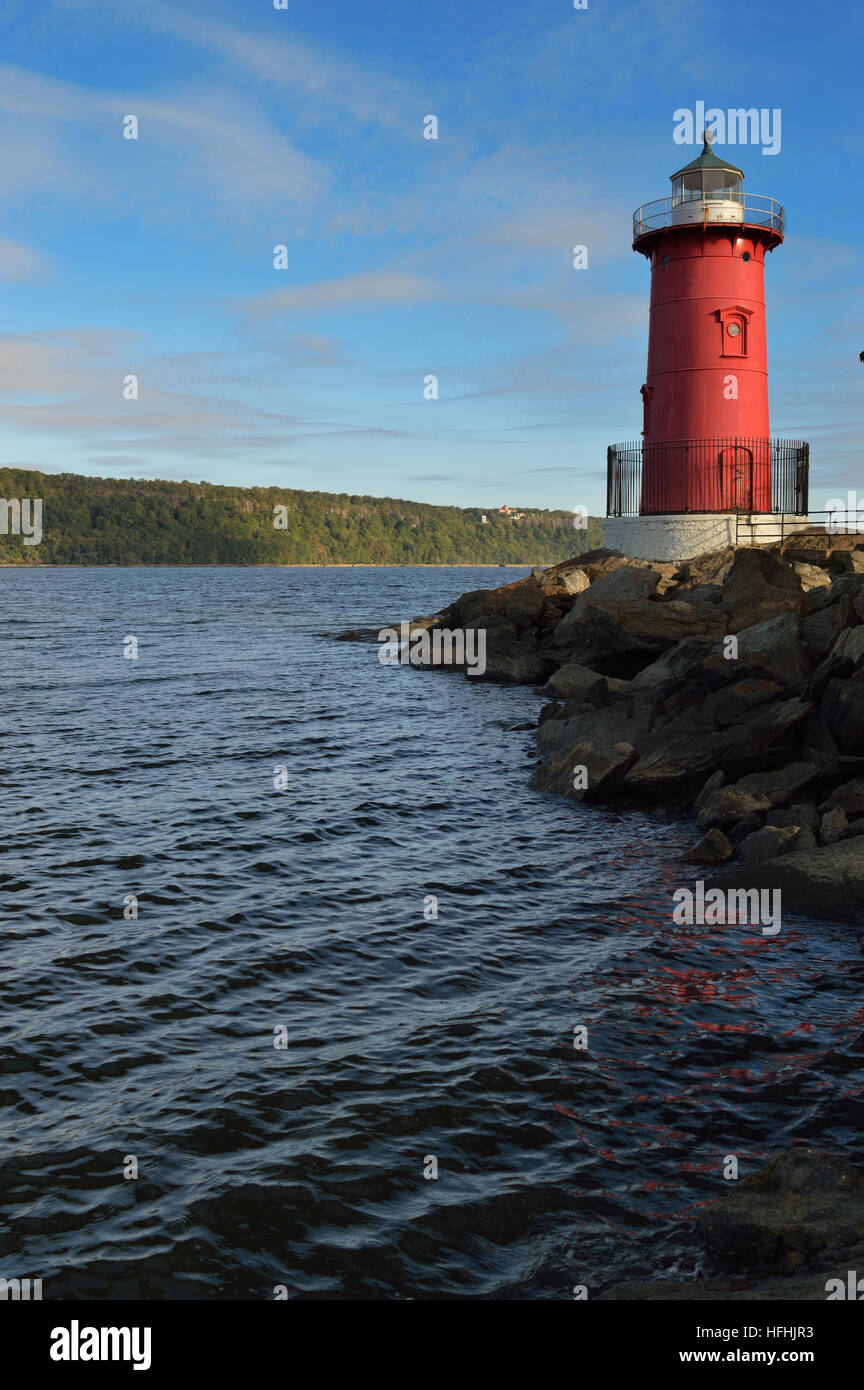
(846,654)
(833,826)
(767,843)
(759,586)
(791,1232)
(772,647)
(514,662)
(629,581)
(631,632)
(713,848)
(523,603)
(811,576)
(803,1207)
(850,561)
(672,667)
(735,702)
(476,603)
(849,796)
(682,752)
(707,571)
(827,881)
(622,721)
(843,709)
(758,791)
(819,629)
(586,770)
(573,681)
(565,580)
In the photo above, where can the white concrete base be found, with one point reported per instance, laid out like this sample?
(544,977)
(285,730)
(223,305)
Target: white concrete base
(674,538)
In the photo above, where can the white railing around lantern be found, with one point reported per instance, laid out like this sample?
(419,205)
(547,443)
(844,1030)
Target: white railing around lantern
(755,211)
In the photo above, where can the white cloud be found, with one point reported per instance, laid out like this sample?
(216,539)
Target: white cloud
(373,287)
(18,262)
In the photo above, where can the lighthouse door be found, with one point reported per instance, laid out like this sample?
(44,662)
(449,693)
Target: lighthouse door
(736,478)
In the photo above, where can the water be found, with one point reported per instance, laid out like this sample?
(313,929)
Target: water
(302,909)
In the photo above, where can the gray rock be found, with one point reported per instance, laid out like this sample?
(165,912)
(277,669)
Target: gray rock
(758,791)
(785,1231)
(735,702)
(768,843)
(817,738)
(681,754)
(826,882)
(819,630)
(702,593)
(805,819)
(760,585)
(803,1288)
(811,576)
(707,570)
(833,826)
(801,813)
(843,708)
(849,796)
(806,838)
(523,602)
(713,848)
(851,561)
(747,825)
(604,766)
(672,666)
(773,647)
(624,721)
(632,581)
(805,1205)
(605,626)
(845,655)
(570,578)
(574,681)
(717,779)
(497,628)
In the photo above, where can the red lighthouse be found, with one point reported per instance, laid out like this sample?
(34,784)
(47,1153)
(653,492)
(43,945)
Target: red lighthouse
(706,472)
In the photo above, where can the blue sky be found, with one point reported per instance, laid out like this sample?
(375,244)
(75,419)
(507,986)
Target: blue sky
(406,257)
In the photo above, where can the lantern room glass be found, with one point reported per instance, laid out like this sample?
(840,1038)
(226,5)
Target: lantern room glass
(702,184)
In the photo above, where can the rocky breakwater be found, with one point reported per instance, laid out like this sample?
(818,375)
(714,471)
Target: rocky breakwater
(731,686)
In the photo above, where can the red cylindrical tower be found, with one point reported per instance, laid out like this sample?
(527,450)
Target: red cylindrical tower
(706,435)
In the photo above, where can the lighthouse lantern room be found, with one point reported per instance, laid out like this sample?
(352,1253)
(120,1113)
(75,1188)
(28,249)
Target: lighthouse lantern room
(706,471)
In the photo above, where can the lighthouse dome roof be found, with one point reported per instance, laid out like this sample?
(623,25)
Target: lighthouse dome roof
(707,160)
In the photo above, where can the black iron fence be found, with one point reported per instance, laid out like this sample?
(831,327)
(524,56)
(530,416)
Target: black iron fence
(707,475)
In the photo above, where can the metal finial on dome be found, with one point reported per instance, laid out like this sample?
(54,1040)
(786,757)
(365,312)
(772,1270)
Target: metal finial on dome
(707,159)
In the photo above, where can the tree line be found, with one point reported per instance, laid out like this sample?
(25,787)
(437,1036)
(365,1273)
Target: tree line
(127,521)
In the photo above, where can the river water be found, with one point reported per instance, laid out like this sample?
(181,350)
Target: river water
(296,916)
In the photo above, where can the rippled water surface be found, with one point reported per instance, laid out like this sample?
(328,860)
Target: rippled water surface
(302,910)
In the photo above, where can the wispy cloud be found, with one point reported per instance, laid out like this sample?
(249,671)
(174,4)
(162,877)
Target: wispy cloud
(18,262)
(374,287)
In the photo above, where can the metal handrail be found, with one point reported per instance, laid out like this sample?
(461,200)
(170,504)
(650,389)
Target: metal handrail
(756,209)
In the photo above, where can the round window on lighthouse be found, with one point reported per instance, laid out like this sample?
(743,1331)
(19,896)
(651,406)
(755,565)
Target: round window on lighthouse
(733,330)
(746,256)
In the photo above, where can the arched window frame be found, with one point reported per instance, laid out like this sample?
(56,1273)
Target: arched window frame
(734,345)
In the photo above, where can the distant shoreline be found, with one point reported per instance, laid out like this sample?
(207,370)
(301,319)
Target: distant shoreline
(452,565)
